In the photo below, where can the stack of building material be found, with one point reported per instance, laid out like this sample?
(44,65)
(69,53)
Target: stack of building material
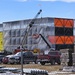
(64,57)
(73,58)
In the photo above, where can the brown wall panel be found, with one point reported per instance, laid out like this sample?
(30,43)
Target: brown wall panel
(63,22)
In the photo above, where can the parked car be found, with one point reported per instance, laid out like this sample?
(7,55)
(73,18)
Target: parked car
(13,59)
(5,59)
(52,57)
(1,57)
(27,57)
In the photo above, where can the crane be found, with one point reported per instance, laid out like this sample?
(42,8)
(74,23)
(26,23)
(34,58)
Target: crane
(29,27)
(25,36)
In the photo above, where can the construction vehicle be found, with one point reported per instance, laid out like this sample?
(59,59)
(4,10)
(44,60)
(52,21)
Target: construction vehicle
(52,56)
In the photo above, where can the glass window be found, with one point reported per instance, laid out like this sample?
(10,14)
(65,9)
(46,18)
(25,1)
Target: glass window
(6,26)
(18,41)
(23,26)
(13,26)
(48,28)
(10,33)
(18,33)
(13,33)
(13,41)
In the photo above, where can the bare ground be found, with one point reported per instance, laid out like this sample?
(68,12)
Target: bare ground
(47,67)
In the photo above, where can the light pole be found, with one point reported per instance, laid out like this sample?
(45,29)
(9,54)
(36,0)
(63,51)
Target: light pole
(21,61)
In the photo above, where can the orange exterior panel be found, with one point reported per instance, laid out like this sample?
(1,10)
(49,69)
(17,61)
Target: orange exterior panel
(69,39)
(63,22)
(64,39)
(58,22)
(59,39)
(68,23)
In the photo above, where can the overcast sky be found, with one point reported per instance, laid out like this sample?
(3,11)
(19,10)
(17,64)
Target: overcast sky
(11,10)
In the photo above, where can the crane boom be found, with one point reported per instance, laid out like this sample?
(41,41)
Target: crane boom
(33,20)
(28,28)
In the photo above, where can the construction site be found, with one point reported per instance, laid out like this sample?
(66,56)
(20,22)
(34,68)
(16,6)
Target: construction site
(40,36)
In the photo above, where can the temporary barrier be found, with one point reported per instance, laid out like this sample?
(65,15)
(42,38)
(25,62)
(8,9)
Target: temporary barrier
(63,22)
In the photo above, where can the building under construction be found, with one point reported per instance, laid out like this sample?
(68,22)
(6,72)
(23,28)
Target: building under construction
(60,33)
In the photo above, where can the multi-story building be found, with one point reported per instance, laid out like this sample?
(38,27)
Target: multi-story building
(59,32)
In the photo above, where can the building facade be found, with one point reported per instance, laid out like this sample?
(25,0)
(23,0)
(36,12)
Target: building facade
(59,32)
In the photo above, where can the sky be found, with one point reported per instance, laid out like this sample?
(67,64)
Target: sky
(11,10)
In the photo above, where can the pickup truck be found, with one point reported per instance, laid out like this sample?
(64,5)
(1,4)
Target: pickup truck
(52,57)
(27,58)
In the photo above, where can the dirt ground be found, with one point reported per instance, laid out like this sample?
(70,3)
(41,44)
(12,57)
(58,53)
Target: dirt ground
(50,68)
(46,67)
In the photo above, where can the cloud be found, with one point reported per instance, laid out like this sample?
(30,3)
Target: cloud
(21,0)
(48,0)
(60,0)
(68,0)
